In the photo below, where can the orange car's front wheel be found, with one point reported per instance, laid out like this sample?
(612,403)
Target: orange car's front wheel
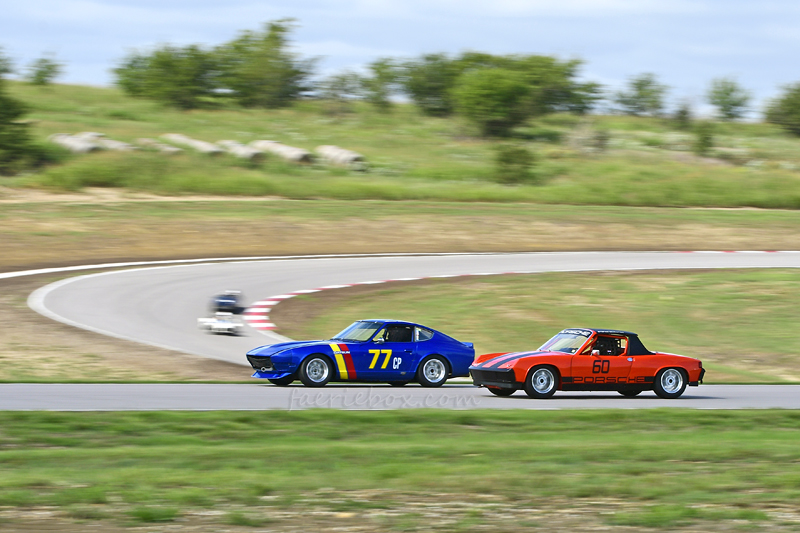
(542,382)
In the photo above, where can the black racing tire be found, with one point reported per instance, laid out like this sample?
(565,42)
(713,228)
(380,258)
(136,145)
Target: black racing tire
(670,383)
(501,392)
(316,370)
(282,382)
(630,393)
(433,371)
(398,383)
(541,382)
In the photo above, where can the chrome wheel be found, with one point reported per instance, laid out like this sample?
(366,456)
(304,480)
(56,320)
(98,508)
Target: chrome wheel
(317,370)
(541,382)
(671,381)
(434,370)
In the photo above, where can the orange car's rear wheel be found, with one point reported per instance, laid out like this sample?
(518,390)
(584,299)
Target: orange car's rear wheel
(670,383)
(542,382)
(501,392)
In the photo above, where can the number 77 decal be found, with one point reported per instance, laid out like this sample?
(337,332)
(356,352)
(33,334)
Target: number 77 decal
(377,353)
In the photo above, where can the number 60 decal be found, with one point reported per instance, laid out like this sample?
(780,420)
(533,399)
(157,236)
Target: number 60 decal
(600,366)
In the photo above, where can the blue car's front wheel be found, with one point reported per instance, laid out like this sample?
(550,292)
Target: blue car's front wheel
(316,371)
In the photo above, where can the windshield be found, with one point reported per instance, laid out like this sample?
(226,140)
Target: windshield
(568,341)
(358,331)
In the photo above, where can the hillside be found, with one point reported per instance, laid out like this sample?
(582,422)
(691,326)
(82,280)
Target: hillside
(644,162)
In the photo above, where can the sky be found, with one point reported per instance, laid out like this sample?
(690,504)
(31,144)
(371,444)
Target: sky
(686,43)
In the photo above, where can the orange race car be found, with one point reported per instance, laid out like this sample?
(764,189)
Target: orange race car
(588,359)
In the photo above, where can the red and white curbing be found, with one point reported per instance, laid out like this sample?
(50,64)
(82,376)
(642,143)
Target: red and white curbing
(257,315)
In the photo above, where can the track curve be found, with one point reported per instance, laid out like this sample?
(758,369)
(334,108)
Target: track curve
(160,305)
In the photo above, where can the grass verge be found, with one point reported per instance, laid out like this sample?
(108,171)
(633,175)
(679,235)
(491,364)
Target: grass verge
(669,467)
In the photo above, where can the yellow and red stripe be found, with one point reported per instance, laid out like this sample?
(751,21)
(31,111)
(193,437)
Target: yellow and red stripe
(344,361)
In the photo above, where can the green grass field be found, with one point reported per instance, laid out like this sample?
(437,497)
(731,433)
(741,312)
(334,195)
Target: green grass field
(416,157)
(674,466)
(738,322)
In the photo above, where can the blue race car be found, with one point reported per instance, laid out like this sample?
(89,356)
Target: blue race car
(378,350)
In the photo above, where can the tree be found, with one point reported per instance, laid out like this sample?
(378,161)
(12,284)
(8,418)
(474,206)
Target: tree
(495,99)
(379,87)
(132,74)
(6,65)
(704,138)
(43,71)
(683,116)
(429,81)
(340,89)
(183,77)
(728,97)
(260,70)
(645,96)
(15,145)
(256,69)
(785,110)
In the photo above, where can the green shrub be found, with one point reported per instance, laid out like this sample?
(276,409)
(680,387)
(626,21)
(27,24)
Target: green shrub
(728,97)
(682,118)
(44,70)
(514,164)
(704,138)
(785,110)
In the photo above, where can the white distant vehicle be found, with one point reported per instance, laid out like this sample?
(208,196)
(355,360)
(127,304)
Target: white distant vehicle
(221,322)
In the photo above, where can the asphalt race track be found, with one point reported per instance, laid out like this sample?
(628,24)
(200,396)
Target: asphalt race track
(160,306)
(197,397)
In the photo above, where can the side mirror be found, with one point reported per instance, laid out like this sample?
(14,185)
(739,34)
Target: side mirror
(596,352)
(378,340)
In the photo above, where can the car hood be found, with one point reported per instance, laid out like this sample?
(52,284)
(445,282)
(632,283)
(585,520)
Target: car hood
(271,349)
(510,357)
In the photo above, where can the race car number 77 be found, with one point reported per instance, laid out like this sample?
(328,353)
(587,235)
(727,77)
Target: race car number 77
(375,358)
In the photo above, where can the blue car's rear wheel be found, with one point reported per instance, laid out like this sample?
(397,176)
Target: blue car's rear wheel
(316,371)
(433,371)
